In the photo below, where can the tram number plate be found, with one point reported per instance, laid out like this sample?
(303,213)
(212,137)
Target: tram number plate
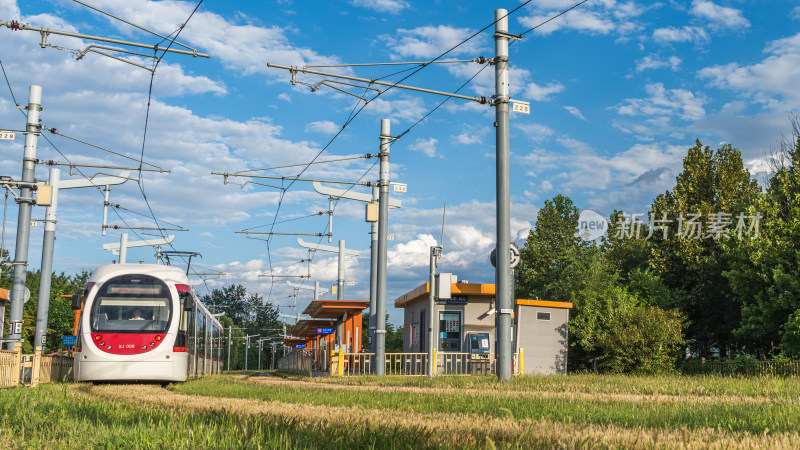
(126,346)
(6,135)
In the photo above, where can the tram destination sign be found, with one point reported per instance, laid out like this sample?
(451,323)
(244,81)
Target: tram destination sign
(324,330)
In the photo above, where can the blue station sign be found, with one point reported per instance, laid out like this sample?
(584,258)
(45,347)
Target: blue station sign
(324,330)
(68,341)
(299,345)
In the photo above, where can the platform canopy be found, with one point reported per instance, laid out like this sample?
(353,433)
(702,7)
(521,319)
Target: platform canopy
(307,328)
(292,341)
(333,309)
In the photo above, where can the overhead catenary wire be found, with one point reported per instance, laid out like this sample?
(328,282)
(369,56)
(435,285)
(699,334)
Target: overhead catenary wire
(352,116)
(58,133)
(156,62)
(358,111)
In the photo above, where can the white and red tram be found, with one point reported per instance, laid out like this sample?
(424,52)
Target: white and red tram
(143,322)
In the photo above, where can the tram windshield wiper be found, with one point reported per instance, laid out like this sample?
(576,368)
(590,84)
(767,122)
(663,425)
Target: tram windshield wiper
(150,322)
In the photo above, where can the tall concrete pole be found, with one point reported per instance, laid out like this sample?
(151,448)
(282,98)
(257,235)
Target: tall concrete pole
(340,280)
(45,279)
(24,217)
(230,328)
(431,307)
(383,227)
(501,100)
(123,248)
(373,275)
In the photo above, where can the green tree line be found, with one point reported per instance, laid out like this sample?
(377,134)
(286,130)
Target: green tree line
(712,270)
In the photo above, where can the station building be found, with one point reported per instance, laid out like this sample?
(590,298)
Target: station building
(465,323)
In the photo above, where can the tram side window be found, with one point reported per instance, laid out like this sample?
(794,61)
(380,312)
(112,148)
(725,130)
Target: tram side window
(201,334)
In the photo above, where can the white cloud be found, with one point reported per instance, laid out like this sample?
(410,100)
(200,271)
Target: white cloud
(390,6)
(719,15)
(536,132)
(243,47)
(599,17)
(410,108)
(426,146)
(285,97)
(467,138)
(796,13)
(323,127)
(665,102)
(430,42)
(655,62)
(575,112)
(539,93)
(547,186)
(778,73)
(687,33)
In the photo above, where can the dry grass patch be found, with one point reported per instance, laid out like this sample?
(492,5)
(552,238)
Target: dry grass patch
(449,429)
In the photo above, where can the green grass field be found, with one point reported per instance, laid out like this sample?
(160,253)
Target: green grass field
(244,411)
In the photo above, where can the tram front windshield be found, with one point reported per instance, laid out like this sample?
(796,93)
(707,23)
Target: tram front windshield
(132,304)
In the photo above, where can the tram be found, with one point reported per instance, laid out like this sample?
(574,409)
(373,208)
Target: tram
(143,322)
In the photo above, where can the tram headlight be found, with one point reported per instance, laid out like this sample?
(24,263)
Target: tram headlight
(97,337)
(158,338)
(144,347)
(152,344)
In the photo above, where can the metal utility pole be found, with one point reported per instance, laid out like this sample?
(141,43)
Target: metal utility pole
(501,101)
(343,252)
(272,361)
(229,347)
(123,248)
(362,197)
(383,217)
(43,308)
(373,275)
(435,253)
(24,218)
(247,347)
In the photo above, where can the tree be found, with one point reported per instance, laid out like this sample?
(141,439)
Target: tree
(765,268)
(547,261)
(248,314)
(714,186)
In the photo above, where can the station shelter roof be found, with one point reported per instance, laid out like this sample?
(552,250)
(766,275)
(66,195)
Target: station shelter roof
(307,328)
(333,309)
(292,341)
(468,289)
(544,303)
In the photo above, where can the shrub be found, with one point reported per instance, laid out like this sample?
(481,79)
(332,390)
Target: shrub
(641,340)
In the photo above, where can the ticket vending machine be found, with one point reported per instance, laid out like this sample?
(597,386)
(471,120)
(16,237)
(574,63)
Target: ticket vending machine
(479,363)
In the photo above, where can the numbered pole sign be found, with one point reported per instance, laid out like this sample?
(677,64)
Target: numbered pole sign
(520,107)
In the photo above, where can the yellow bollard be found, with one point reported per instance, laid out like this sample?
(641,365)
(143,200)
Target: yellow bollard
(521,362)
(434,361)
(341,362)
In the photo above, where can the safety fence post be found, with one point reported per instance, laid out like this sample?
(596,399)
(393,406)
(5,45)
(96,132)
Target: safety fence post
(521,362)
(341,362)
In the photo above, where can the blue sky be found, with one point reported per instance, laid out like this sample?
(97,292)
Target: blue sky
(618,92)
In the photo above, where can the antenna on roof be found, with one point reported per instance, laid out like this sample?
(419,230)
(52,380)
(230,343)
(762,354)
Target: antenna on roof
(444,210)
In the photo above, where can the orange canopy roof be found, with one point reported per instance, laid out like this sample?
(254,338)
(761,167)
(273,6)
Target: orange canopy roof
(473,289)
(307,328)
(333,309)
